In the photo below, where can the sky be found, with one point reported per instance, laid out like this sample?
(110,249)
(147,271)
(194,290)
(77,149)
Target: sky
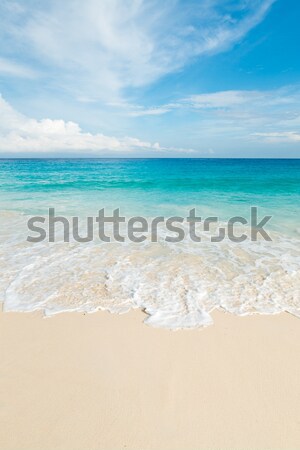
(146,78)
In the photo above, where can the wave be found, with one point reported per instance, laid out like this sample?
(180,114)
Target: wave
(177,285)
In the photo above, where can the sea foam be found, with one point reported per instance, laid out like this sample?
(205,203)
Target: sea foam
(176,285)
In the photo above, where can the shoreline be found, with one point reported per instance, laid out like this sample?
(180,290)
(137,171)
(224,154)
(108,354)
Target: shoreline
(105,381)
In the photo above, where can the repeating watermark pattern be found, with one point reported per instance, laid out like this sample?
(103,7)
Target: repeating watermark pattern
(138,229)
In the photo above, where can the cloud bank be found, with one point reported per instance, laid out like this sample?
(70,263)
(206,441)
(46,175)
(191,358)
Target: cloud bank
(19,133)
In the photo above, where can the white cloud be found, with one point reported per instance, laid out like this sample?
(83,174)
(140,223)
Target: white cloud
(270,116)
(12,68)
(246,99)
(19,133)
(139,112)
(284,136)
(100,47)
(222,99)
(230,100)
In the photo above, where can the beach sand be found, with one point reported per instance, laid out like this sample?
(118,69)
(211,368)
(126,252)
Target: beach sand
(103,381)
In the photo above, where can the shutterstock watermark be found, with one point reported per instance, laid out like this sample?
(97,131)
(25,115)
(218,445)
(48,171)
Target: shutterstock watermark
(137,229)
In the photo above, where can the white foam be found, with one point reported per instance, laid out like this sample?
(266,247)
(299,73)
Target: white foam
(177,285)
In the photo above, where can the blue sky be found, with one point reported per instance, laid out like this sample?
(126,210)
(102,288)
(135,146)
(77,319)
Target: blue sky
(206,78)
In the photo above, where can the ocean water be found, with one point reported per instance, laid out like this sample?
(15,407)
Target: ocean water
(179,284)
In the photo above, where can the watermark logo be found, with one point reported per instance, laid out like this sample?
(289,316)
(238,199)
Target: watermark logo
(137,229)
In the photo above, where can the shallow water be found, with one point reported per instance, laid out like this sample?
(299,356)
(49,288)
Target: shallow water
(177,284)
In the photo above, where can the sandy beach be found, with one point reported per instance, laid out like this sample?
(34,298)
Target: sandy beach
(149,225)
(104,381)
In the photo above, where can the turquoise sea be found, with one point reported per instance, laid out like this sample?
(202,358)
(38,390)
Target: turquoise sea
(177,285)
